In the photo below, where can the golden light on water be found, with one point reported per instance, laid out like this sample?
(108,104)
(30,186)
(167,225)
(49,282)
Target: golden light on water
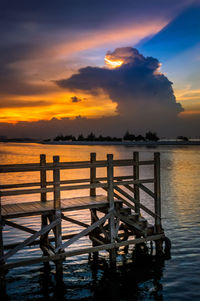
(113,63)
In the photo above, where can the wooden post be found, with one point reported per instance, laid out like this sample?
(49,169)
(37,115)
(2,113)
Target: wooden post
(92,174)
(111,205)
(157,200)
(136,177)
(43,178)
(2,273)
(43,197)
(93,194)
(57,207)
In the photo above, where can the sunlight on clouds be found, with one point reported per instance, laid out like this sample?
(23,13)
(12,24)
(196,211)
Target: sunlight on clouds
(60,105)
(111,63)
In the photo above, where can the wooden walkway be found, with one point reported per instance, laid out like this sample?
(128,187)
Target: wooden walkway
(37,208)
(116,217)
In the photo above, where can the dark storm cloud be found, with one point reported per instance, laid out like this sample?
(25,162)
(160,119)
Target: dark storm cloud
(140,90)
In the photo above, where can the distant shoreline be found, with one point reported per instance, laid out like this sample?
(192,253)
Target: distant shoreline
(105,143)
(123,143)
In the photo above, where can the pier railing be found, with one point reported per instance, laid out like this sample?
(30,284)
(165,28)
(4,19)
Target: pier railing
(103,231)
(112,184)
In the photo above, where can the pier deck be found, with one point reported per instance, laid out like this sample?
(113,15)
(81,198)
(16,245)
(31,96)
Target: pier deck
(37,208)
(116,217)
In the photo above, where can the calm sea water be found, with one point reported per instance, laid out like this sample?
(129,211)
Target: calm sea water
(174,279)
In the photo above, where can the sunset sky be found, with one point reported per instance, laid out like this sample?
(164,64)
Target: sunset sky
(74,66)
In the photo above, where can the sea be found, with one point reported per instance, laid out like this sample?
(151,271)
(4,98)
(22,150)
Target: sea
(175,278)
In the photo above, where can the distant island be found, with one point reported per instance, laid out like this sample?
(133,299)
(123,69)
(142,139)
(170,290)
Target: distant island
(150,138)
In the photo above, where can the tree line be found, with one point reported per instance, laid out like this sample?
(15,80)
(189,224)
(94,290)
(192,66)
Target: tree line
(149,136)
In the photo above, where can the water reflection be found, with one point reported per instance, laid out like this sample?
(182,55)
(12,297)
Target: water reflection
(90,280)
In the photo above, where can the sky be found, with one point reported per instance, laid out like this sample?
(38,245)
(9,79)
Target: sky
(74,66)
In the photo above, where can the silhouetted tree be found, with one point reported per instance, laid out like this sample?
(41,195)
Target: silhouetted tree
(128,136)
(91,137)
(139,138)
(81,138)
(151,136)
(183,138)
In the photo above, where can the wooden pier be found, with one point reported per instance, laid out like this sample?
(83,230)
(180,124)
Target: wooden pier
(116,216)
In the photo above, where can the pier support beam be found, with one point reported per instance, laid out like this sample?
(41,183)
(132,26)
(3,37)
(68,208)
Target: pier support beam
(57,208)
(157,203)
(111,207)
(44,242)
(93,194)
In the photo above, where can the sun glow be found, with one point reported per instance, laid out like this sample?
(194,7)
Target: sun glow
(113,63)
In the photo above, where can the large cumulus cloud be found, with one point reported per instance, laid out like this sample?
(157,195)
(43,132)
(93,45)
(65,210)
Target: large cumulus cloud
(142,92)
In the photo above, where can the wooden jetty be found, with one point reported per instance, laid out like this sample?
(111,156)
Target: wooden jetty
(120,222)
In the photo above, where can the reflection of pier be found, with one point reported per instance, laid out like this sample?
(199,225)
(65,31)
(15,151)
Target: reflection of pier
(116,220)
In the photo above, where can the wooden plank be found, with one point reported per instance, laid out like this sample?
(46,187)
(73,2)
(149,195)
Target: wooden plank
(43,178)
(30,239)
(35,208)
(157,192)
(134,201)
(92,174)
(71,220)
(81,251)
(112,232)
(20,227)
(136,175)
(84,232)
(147,190)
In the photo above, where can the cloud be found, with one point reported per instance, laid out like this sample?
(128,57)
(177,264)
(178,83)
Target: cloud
(75,99)
(143,94)
(10,103)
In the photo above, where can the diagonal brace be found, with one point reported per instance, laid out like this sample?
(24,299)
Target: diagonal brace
(84,232)
(31,239)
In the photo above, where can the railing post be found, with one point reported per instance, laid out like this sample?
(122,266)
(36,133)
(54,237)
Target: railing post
(136,177)
(43,178)
(157,200)
(111,204)
(57,207)
(92,174)
(93,194)
(43,197)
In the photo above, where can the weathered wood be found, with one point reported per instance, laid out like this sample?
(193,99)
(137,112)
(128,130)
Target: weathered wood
(92,174)
(157,192)
(57,207)
(94,232)
(72,220)
(157,201)
(30,239)
(110,175)
(136,176)
(147,190)
(134,201)
(81,251)
(37,208)
(56,180)
(43,178)
(84,232)
(20,227)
